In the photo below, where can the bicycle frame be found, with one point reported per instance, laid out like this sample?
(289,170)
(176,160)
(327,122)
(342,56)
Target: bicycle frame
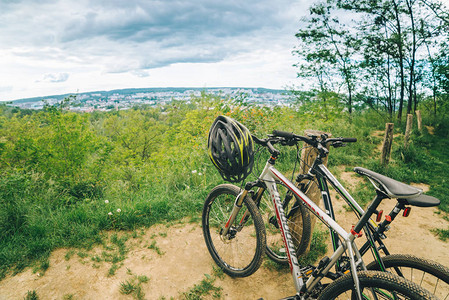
(371,228)
(271,177)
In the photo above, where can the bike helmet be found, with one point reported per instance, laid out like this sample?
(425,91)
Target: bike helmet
(231,149)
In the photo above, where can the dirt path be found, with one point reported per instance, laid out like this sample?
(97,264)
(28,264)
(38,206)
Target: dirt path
(183,261)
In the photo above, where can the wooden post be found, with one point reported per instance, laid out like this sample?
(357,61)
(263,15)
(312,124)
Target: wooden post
(388,141)
(408,129)
(308,156)
(418,118)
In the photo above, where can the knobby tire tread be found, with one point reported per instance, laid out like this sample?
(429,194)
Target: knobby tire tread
(411,261)
(376,279)
(258,223)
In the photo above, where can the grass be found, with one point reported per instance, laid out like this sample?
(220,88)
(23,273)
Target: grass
(39,226)
(204,288)
(31,295)
(134,286)
(318,248)
(40,212)
(154,247)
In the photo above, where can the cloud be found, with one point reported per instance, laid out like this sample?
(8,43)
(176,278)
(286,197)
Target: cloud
(115,38)
(56,78)
(151,34)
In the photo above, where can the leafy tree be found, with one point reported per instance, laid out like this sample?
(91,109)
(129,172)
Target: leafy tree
(327,50)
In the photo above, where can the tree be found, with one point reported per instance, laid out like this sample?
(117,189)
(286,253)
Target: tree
(326,51)
(389,44)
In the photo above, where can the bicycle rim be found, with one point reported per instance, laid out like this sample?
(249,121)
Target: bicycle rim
(239,253)
(429,275)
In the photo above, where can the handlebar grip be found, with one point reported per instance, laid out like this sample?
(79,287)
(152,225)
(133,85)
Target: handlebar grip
(349,140)
(284,134)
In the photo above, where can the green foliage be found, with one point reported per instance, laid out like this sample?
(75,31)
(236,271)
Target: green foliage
(66,177)
(31,295)
(204,288)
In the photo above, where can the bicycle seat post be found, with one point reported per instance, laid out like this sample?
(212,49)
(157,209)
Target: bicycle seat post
(372,208)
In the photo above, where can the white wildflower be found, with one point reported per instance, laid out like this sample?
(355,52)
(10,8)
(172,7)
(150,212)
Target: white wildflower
(110,213)
(194,171)
(119,210)
(200,173)
(106,201)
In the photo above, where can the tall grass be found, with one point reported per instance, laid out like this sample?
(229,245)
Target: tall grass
(124,180)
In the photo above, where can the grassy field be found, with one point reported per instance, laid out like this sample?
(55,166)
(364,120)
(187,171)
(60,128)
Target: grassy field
(67,177)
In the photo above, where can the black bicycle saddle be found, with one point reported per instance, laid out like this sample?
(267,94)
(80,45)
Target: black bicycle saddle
(393,188)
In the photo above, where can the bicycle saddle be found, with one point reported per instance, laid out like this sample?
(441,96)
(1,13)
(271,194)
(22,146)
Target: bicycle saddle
(420,201)
(393,188)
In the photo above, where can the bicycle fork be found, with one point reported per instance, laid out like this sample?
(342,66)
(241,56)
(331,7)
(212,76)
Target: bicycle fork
(235,210)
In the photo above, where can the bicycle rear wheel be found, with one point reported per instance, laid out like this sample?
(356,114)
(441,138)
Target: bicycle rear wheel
(298,221)
(240,252)
(428,274)
(374,285)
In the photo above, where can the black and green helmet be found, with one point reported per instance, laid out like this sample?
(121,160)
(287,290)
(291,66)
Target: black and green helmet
(231,149)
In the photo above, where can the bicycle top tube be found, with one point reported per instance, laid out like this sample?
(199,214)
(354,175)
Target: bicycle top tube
(270,175)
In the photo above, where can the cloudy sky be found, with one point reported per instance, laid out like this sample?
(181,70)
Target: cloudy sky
(66,46)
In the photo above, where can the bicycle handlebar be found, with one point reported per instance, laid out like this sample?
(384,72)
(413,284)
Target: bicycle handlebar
(289,139)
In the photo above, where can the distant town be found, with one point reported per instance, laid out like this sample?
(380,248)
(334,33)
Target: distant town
(128,98)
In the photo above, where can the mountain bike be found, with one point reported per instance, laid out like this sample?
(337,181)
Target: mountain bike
(233,227)
(428,274)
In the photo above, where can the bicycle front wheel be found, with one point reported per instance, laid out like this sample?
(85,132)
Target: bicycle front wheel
(375,285)
(428,274)
(241,251)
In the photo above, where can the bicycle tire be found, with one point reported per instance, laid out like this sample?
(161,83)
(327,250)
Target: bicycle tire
(384,285)
(428,274)
(242,254)
(299,223)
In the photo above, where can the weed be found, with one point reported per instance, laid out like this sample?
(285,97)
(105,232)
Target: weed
(154,247)
(31,295)
(113,269)
(134,286)
(96,258)
(82,254)
(217,272)
(205,287)
(127,287)
(443,234)
(42,266)
(143,278)
(273,266)
(69,254)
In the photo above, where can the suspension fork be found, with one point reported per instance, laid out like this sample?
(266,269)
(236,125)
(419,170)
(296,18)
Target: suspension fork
(236,209)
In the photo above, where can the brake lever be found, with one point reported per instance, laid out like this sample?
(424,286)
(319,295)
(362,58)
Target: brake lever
(338,144)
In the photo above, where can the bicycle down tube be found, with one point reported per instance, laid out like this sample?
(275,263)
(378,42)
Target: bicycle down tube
(269,176)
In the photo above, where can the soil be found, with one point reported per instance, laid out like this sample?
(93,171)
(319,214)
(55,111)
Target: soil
(183,261)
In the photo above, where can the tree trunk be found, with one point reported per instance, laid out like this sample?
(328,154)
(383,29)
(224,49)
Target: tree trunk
(408,129)
(418,118)
(412,62)
(401,58)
